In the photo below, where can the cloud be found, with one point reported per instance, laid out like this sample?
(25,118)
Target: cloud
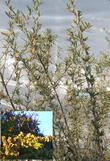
(97,17)
(54,15)
(3,30)
(95,29)
(57,18)
(60,21)
(87,6)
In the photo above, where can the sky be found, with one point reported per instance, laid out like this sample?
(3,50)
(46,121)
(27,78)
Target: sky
(45,119)
(55,16)
(46,122)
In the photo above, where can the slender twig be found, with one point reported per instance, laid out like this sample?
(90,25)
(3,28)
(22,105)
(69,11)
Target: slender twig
(3,82)
(57,96)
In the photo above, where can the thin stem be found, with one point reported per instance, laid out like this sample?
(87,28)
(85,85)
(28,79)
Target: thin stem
(57,96)
(3,82)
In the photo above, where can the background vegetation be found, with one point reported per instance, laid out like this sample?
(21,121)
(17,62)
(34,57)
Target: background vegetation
(22,139)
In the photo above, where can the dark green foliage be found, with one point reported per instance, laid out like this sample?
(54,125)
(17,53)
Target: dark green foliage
(30,153)
(12,124)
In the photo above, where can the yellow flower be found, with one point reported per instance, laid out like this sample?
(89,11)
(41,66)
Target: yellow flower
(11,145)
(3,138)
(20,134)
(32,136)
(6,152)
(37,145)
(28,135)
(9,139)
(30,144)
(47,139)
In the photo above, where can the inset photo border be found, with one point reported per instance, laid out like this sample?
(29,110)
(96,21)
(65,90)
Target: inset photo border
(27,135)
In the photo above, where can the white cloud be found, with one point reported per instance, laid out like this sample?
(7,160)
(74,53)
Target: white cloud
(56,17)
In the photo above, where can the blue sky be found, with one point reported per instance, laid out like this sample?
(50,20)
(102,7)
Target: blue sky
(45,119)
(46,122)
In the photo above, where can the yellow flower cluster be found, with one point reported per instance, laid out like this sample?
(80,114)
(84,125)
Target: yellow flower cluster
(11,145)
(9,148)
(28,140)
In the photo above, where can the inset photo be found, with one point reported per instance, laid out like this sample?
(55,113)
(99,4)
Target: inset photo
(27,135)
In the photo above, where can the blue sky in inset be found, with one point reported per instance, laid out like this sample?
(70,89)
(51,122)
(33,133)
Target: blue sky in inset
(45,119)
(46,122)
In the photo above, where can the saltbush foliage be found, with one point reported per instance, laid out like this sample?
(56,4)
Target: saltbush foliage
(81,117)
